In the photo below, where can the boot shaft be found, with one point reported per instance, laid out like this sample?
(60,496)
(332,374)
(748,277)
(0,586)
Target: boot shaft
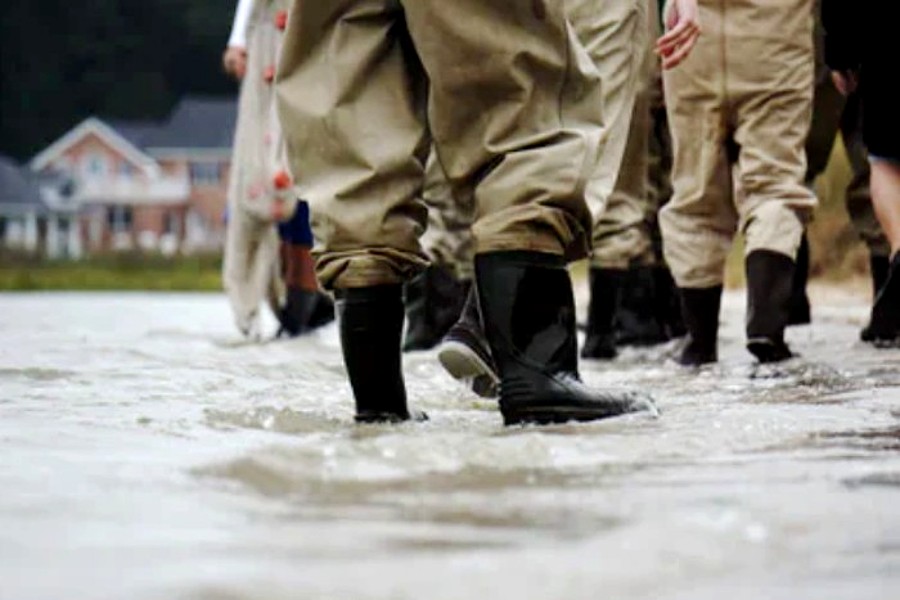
(528,310)
(700,309)
(770,285)
(371,322)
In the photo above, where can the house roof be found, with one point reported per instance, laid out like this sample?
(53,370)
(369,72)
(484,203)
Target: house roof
(138,133)
(197,123)
(19,191)
(95,126)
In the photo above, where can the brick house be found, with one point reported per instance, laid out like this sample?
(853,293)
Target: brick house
(151,186)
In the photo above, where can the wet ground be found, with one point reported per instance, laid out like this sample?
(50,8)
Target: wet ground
(146,453)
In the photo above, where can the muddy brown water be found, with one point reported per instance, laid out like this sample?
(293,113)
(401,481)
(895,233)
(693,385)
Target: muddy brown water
(146,453)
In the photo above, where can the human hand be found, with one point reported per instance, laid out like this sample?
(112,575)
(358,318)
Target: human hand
(846,82)
(681,18)
(234,61)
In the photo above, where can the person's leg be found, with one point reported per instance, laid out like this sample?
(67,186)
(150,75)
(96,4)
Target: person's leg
(881,134)
(771,84)
(305,307)
(614,34)
(356,138)
(859,201)
(886,199)
(659,189)
(622,307)
(351,101)
(523,146)
(247,269)
(885,322)
(623,239)
(699,222)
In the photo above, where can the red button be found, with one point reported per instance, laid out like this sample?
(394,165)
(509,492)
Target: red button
(269,74)
(281,19)
(282,180)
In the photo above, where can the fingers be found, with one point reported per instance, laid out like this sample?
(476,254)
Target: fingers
(234,62)
(676,44)
(684,31)
(675,57)
(845,82)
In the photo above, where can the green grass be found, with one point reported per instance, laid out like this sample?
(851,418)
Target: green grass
(111,272)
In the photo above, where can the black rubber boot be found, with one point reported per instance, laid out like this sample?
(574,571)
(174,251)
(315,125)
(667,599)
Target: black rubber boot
(879,267)
(668,304)
(636,322)
(434,300)
(529,317)
(600,341)
(885,323)
(295,315)
(799,311)
(371,321)
(323,312)
(465,353)
(700,309)
(770,277)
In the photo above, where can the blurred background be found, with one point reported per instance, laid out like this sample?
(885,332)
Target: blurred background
(115,132)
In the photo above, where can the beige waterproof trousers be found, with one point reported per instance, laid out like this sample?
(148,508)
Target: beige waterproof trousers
(610,31)
(447,240)
(251,270)
(739,107)
(615,35)
(509,84)
(623,233)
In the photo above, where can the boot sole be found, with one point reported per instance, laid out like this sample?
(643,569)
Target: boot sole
(767,352)
(464,364)
(415,416)
(556,415)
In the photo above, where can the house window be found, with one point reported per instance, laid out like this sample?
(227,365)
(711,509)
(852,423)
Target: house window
(170,226)
(96,165)
(119,219)
(204,173)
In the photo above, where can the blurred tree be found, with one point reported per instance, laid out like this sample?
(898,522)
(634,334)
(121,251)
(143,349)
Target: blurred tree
(62,61)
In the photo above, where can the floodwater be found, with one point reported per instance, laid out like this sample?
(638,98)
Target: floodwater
(146,453)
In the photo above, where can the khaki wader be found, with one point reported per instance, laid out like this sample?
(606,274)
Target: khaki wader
(447,240)
(509,85)
(251,270)
(611,33)
(624,233)
(739,109)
